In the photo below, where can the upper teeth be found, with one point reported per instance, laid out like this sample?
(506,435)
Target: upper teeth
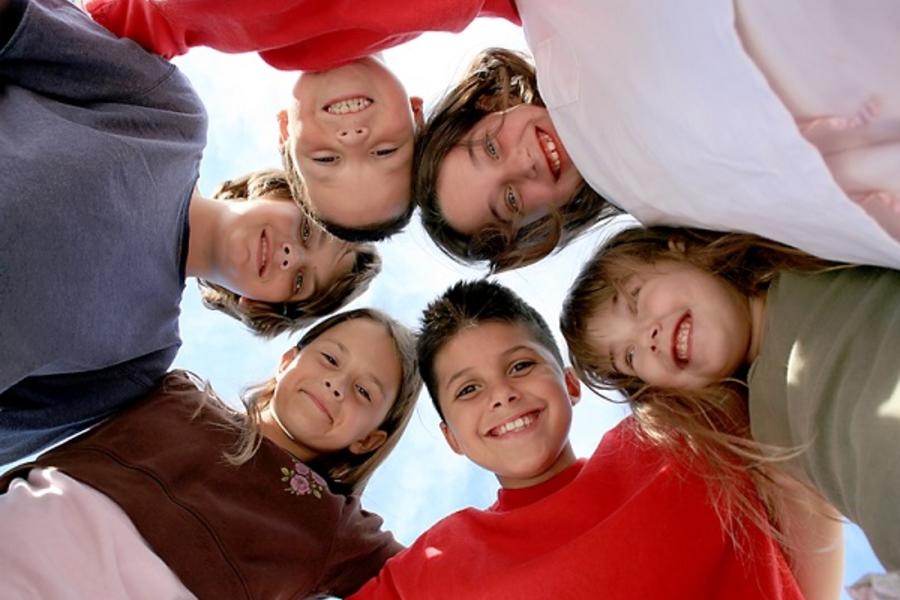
(550,150)
(348,106)
(514,425)
(681,339)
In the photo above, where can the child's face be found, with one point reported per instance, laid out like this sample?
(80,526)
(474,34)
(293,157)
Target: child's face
(270,250)
(674,325)
(510,170)
(350,131)
(336,391)
(507,403)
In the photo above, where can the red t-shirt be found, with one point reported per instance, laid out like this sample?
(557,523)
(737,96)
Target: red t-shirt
(627,523)
(307,35)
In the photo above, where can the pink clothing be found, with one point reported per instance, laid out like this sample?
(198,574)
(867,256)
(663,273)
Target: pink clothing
(625,524)
(307,35)
(63,539)
(835,65)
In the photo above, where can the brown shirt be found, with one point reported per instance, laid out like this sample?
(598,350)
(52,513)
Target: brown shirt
(269,528)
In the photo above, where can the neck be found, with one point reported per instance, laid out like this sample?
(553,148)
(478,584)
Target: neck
(757,323)
(204,217)
(565,460)
(274,431)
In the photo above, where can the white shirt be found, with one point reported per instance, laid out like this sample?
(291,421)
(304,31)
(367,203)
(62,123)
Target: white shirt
(665,113)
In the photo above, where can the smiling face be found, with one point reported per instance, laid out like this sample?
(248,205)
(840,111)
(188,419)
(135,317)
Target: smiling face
(675,325)
(350,132)
(510,171)
(336,391)
(270,250)
(507,403)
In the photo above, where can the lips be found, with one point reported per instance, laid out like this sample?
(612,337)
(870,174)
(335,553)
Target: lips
(263,254)
(550,147)
(320,405)
(681,340)
(518,424)
(348,105)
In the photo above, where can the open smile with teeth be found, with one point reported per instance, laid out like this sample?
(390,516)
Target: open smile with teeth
(262,254)
(548,146)
(349,105)
(681,340)
(515,425)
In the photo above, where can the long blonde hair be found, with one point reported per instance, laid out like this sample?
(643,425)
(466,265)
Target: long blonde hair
(708,426)
(346,472)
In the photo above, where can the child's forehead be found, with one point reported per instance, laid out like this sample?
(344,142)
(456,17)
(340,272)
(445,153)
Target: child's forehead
(481,340)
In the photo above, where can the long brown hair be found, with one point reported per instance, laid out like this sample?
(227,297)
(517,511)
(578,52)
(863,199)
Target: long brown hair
(712,424)
(268,319)
(496,80)
(346,472)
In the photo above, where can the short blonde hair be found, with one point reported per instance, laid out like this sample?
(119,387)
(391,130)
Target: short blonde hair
(268,319)
(346,472)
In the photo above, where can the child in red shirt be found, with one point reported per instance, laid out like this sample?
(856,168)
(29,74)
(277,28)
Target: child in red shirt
(626,523)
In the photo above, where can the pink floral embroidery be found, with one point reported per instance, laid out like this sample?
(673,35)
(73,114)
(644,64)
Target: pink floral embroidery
(302,480)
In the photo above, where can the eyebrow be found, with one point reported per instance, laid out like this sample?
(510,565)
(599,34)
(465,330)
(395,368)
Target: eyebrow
(505,353)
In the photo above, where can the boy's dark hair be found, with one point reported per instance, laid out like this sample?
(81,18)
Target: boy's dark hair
(468,304)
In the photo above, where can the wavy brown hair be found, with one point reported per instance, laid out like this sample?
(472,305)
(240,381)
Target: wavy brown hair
(496,80)
(712,423)
(346,472)
(268,319)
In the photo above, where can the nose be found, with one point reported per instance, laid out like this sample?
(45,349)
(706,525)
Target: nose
(521,165)
(287,256)
(503,394)
(334,390)
(652,337)
(353,135)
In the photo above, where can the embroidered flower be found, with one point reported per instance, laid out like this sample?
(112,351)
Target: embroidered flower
(299,485)
(302,480)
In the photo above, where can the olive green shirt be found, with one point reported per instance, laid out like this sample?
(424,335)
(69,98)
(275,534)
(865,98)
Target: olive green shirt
(827,380)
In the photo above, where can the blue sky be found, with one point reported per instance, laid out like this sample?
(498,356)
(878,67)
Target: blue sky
(423,480)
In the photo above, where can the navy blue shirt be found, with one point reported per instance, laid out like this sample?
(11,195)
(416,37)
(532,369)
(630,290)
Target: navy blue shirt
(100,150)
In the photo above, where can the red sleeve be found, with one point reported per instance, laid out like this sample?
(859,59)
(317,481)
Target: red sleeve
(140,21)
(307,35)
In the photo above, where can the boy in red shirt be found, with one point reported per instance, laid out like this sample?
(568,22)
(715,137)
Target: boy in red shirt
(347,133)
(626,523)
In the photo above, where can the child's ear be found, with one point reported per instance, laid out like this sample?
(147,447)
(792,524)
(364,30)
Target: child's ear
(370,443)
(282,127)
(573,386)
(286,358)
(417,105)
(451,439)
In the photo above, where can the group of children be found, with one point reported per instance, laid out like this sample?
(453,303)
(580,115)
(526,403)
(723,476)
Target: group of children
(763,380)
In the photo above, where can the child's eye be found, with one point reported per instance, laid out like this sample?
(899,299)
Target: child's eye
(330,359)
(298,282)
(466,390)
(633,299)
(384,151)
(326,159)
(629,358)
(305,231)
(363,392)
(521,365)
(489,148)
(512,201)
